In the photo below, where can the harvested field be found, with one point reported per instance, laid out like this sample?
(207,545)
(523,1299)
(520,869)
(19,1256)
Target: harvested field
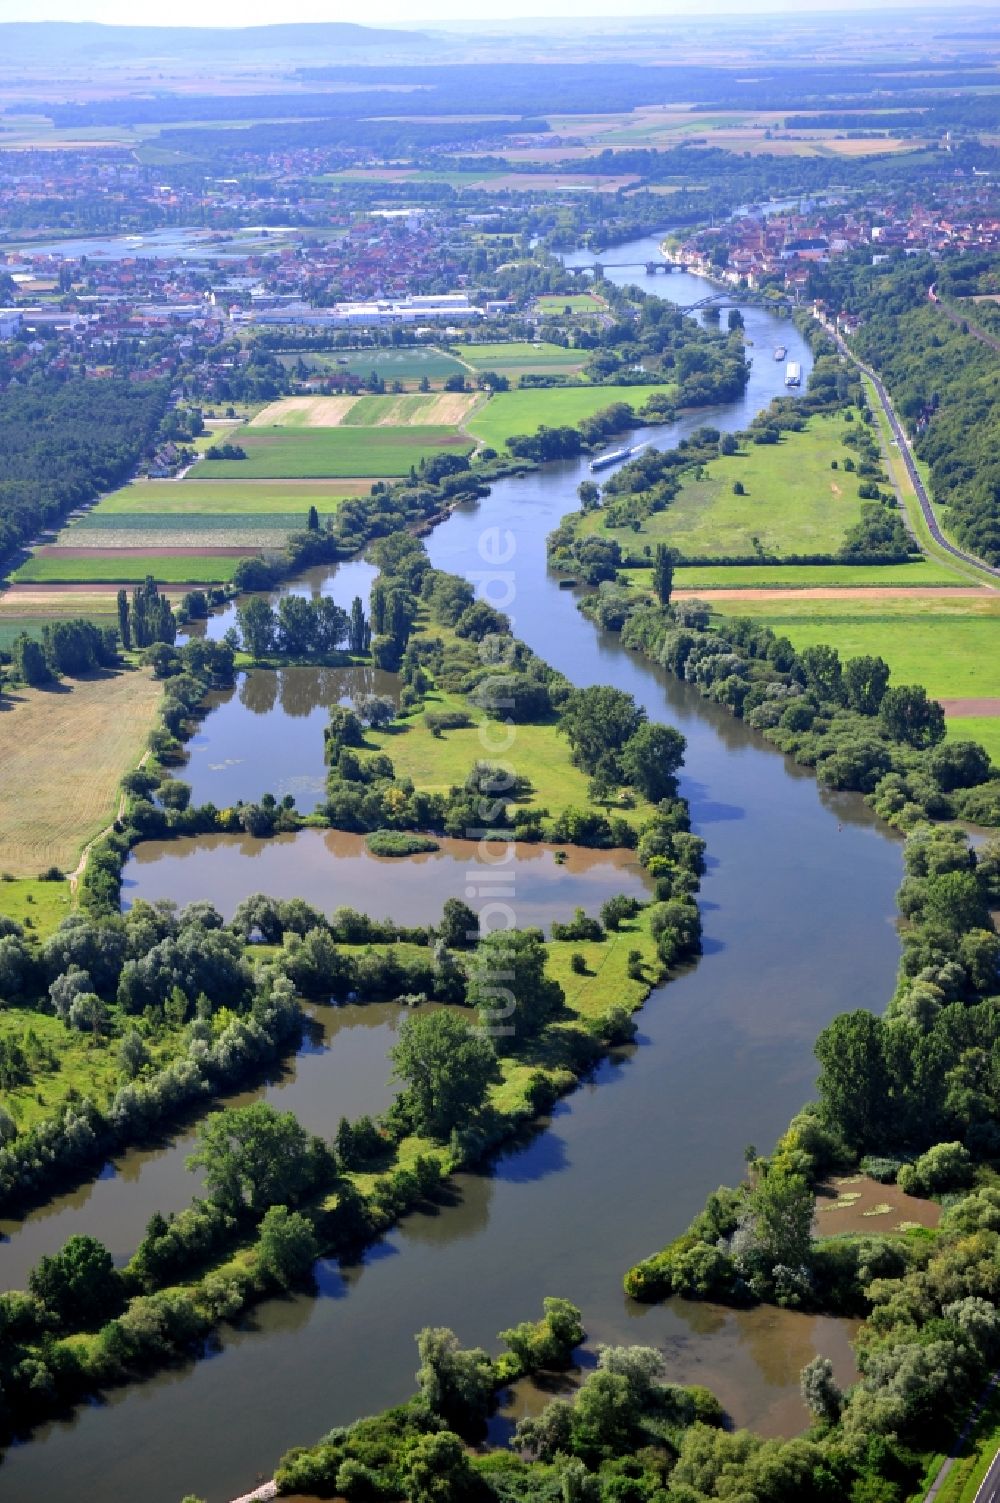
(112,551)
(847,592)
(421,410)
(304,412)
(63,751)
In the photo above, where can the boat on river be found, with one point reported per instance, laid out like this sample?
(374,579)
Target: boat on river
(615,456)
(780,352)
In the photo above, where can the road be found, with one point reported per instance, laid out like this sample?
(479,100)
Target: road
(906,453)
(958,321)
(989,1491)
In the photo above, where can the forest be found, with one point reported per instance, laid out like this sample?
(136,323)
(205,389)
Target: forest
(942,380)
(64,440)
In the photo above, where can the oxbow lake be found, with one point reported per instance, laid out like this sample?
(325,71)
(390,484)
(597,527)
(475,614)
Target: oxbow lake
(799,915)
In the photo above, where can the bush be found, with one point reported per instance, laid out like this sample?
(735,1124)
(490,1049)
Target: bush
(399,843)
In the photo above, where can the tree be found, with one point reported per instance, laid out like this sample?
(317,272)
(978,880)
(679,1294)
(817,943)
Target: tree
(359,634)
(651,759)
(906,714)
(124,622)
(438,1470)
(854,1077)
(589,494)
(457,1385)
(257,627)
(728,444)
(459,927)
(824,673)
(312,520)
(865,681)
(598,721)
(508,985)
(820,1390)
(80,1284)
(29,660)
(739,489)
(663,573)
(255,1157)
(447,1070)
(287,1246)
(133,1056)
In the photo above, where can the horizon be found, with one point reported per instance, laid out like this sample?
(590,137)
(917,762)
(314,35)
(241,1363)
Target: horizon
(239,15)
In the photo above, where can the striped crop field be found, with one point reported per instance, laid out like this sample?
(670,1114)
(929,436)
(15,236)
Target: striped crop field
(121,567)
(226,497)
(307,453)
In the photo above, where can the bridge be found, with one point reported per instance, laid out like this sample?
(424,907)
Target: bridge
(649,267)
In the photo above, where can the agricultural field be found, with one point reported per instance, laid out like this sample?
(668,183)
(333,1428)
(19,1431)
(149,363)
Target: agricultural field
(793,502)
(946,643)
(576,302)
(521,357)
(917,575)
(429,410)
(63,751)
(196,495)
(383,453)
(409,366)
(245,531)
(515,412)
(121,567)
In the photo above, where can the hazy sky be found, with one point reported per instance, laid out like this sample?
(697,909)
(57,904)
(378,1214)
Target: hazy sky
(410,13)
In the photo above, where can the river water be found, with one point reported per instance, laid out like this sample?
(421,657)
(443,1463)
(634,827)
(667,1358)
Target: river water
(798,907)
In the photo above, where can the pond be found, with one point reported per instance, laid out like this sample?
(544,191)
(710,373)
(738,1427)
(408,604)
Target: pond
(333,869)
(265,733)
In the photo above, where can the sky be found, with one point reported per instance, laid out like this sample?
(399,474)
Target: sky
(411,13)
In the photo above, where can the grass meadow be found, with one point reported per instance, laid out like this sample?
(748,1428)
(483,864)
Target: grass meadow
(793,503)
(949,646)
(511,413)
(522,356)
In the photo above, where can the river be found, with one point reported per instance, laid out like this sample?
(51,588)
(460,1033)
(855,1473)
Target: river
(798,907)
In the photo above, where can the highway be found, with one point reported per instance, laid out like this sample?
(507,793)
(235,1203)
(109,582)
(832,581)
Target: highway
(906,452)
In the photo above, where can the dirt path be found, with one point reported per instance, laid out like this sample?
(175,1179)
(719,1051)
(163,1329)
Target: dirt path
(845,592)
(986,707)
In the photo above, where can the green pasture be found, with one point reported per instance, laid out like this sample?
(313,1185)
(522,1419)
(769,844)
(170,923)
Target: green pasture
(511,413)
(316,452)
(12,626)
(521,356)
(576,302)
(537,752)
(793,502)
(161,498)
(406,365)
(922,572)
(949,646)
(51,569)
(982,728)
